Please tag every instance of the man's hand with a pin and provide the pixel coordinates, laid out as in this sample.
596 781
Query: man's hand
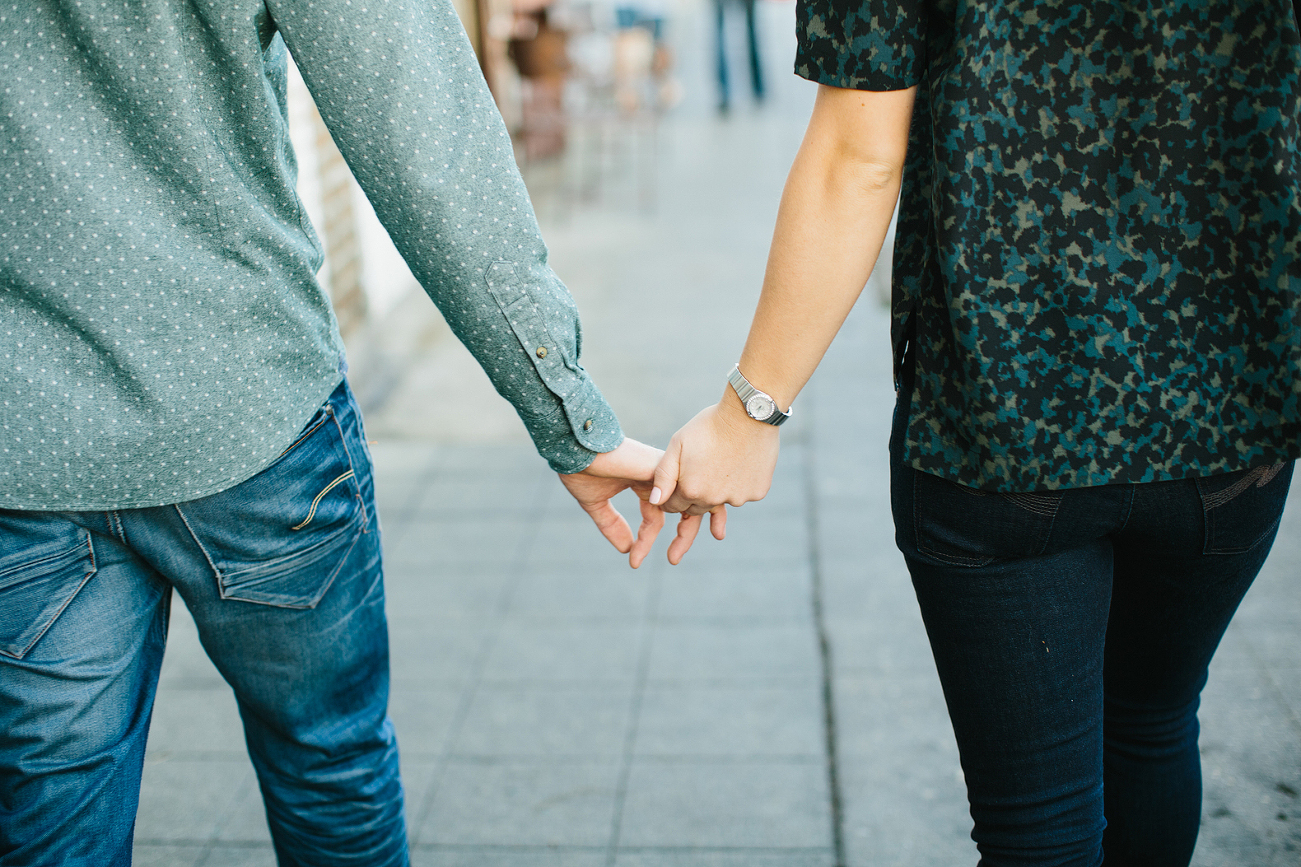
721 457
631 465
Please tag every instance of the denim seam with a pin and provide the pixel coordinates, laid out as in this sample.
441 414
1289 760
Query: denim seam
356 484
90 550
118 528
1129 509
329 413
216 573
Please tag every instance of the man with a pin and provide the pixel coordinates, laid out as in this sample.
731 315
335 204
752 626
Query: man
173 408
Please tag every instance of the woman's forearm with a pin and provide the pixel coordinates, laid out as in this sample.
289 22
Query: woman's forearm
834 214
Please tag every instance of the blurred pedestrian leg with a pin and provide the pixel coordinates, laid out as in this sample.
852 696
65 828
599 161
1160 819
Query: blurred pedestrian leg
752 41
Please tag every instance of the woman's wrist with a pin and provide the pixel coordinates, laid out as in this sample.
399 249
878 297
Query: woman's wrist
732 412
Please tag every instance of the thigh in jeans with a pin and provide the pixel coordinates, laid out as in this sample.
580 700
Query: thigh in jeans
1016 615
82 626
283 576
1186 557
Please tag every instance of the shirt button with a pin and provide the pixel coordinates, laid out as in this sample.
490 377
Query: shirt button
587 425
542 352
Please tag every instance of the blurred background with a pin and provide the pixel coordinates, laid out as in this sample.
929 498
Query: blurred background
771 702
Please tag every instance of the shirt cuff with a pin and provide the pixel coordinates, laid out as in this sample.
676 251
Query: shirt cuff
583 426
571 435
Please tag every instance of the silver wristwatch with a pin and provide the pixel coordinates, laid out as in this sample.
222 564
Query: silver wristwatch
758 405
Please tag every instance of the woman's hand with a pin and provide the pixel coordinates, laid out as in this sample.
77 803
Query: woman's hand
630 466
720 458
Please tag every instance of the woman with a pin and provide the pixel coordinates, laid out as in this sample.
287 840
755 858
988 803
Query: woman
1097 340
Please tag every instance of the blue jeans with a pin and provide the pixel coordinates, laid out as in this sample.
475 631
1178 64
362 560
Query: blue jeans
282 574
1072 631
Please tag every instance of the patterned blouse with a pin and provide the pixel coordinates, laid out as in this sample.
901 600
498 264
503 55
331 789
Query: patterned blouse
1096 274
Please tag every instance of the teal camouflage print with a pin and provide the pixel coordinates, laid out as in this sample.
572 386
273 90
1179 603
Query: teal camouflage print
1096 274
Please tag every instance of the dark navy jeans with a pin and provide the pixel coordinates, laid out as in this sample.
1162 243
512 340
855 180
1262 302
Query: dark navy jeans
282 574
1072 631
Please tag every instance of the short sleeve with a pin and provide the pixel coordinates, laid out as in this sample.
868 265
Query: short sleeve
861 44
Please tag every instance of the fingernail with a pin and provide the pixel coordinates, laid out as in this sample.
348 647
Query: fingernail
656 493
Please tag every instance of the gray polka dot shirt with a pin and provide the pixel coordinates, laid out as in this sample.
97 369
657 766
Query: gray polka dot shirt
162 333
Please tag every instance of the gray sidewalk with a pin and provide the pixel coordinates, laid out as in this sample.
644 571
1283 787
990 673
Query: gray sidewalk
556 708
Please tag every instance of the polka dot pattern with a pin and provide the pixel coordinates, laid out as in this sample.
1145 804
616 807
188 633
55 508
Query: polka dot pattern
162 333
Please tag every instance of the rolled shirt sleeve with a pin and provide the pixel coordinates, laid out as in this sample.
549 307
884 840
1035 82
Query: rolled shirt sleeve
870 45
400 90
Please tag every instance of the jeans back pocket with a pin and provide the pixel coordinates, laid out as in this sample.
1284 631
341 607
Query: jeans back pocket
44 561
281 537
961 526
1241 509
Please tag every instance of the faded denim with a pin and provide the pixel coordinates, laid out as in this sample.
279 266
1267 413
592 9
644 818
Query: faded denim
283 576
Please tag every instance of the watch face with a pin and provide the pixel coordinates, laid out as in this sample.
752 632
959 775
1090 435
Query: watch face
760 407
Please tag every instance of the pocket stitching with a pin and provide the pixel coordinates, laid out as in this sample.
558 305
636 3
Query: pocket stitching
315 600
1213 500
924 548
90 552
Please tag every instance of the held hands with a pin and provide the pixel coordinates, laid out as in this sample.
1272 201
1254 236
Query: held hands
720 458
630 466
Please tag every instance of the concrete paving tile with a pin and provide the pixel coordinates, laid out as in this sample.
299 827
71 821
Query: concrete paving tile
903 809
736 593
522 804
725 858
246 824
443 545
581 652
582 590
471 461
195 720
723 652
1250 743
557 723
1274 643
859 534
571 542
431 651
423 718
872 589
185 801
152 855
765 540
894 645
716 721
469 590
684 651
487 856
485 496
241 856
760 804
403 458
893 714
418 778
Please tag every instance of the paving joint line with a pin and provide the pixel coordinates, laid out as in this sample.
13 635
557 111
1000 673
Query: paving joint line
488 642
824 656
634 720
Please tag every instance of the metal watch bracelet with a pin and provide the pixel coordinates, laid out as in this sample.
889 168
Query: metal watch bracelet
759 405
